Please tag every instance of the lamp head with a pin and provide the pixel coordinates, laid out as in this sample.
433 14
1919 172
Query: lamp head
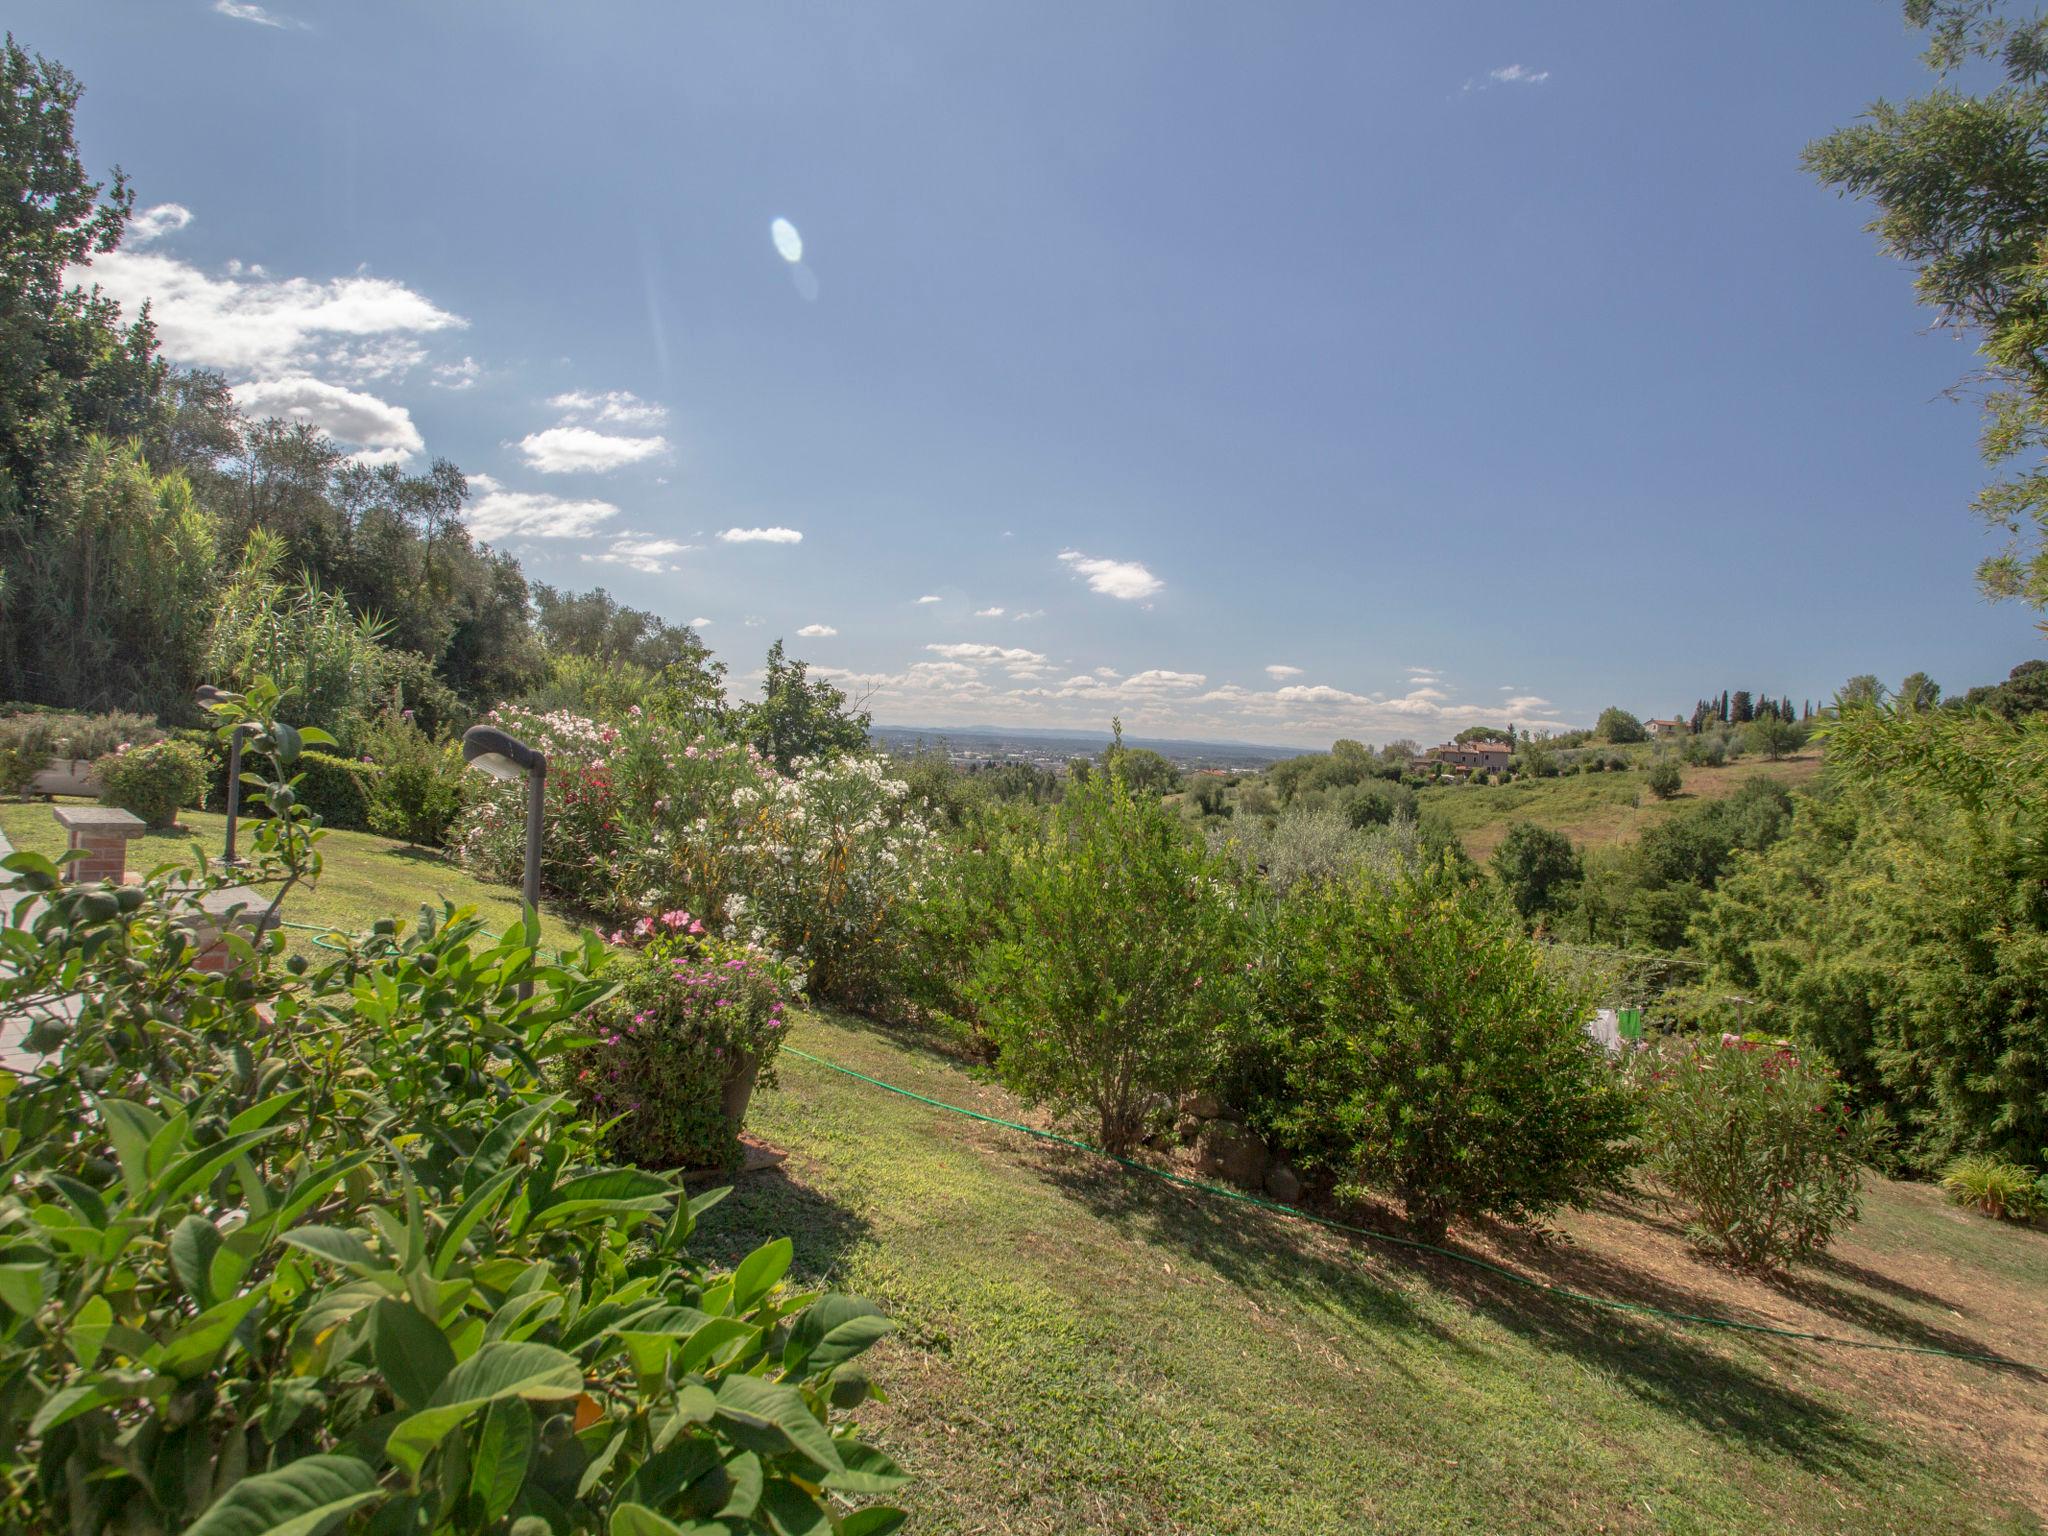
500 755
208 695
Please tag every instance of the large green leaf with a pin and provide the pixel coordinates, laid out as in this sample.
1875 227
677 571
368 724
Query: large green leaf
504 1448
337 1247
21 1288
833 1330
194 1242
413 1354
772 1417
303 1498
639 1520
759 1271
498 1370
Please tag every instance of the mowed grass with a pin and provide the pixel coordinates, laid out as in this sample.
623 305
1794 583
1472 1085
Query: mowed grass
1594 809
364 878
1087 1350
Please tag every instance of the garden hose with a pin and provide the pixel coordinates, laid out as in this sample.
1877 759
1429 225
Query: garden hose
1563 1293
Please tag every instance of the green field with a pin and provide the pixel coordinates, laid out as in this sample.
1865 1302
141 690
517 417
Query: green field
1595 809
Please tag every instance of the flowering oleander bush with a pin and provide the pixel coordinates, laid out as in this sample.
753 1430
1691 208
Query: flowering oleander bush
1757 1143
154 781
695 1023
644 817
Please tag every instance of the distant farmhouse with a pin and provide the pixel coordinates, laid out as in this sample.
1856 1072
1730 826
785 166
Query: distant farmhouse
1473 754
1672 727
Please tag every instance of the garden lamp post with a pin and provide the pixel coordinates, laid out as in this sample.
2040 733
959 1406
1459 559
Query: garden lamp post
207 696
507 757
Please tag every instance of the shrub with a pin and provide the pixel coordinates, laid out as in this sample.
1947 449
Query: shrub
1116 959
416 792
1407 1037
31 740
369 1271
1757 1143
154 781
1665 780
1537 866
1995 1187
694 1020
337 789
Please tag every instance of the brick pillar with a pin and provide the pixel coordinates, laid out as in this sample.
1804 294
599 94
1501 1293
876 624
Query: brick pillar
102 834
233 909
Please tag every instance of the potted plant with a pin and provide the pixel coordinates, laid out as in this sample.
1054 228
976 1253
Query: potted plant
693 1028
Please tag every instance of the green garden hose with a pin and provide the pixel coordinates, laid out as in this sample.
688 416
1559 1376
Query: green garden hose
1692 1318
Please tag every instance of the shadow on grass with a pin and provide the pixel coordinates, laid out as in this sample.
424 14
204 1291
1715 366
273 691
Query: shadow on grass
769 1204
929 1046
1670 1370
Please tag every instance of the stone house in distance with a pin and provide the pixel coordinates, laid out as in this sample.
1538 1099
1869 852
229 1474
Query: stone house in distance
1490 755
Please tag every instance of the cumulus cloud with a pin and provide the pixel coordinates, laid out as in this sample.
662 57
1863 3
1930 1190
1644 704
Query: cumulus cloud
155 223
760 536
501 514
640 552
1125 579
988 613
817 631
566 449
1029 613
377 431
1160 678
244 321
929 597
1281 670
1516 74
699 624
1317 693
1526 703
618 407
969 651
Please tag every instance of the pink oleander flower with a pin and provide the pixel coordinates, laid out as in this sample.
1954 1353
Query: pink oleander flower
644 928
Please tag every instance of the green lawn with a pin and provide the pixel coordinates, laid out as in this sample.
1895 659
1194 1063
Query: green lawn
365 878
1084 1350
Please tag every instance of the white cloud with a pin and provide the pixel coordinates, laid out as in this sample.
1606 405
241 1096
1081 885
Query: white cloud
501 514
969 651
1281 670
244 321
789 245
243 10
1029 613
1524 703
378 431
640 552
155 223
1107 672
1317 693
458 375
760 536
988 613
562 450
700 624
1516 74
617 407
817 631
1082 680
929 597
1159 678
1125 579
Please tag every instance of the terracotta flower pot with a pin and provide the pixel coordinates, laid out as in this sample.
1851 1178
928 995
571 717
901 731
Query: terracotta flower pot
738 1089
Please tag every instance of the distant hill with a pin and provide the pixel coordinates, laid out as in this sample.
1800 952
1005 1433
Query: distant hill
1027 744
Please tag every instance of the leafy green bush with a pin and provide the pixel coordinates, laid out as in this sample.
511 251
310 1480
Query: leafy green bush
1665 780
337 789
695 1024
1757 1143
155 781
416 793
1537 866
1407 1037
30 740
1995 1187
313 1249
1117 957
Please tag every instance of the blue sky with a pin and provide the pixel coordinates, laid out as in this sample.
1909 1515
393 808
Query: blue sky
1280 371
